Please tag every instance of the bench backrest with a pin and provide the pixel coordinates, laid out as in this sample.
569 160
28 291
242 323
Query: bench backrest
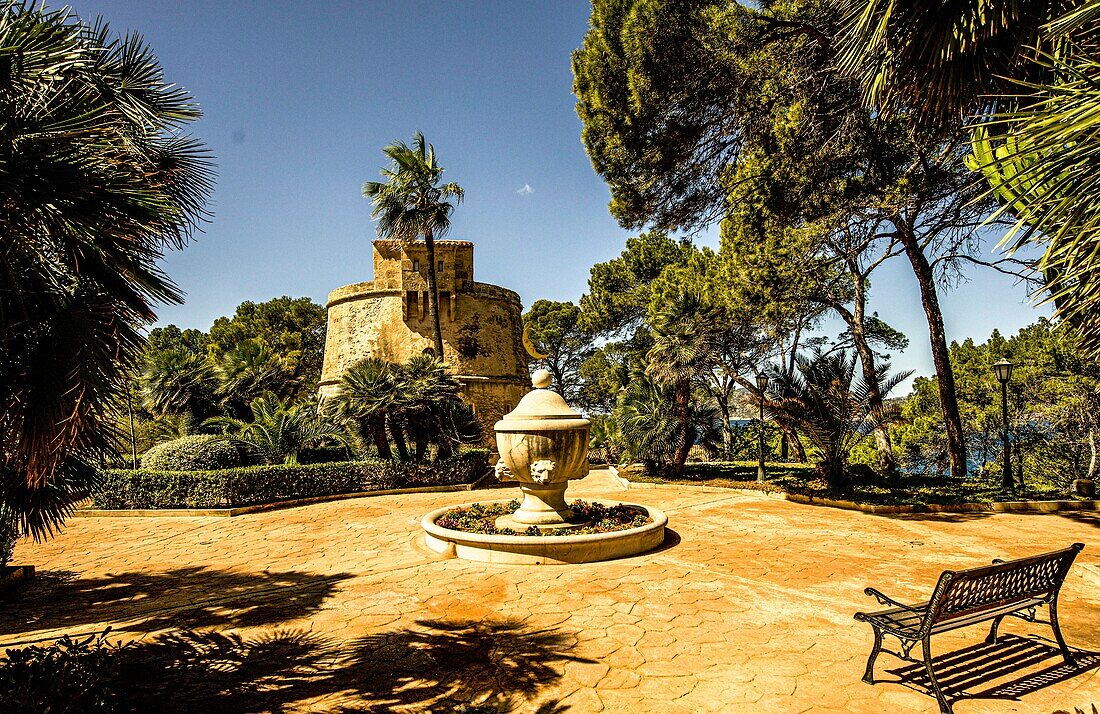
964 592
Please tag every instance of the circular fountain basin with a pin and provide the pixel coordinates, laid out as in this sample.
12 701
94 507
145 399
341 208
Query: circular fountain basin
544 550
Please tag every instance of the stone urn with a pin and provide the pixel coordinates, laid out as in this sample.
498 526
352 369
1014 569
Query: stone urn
543 444
1084 487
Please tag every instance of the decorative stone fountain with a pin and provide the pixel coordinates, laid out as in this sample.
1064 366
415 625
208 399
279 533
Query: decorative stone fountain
543 444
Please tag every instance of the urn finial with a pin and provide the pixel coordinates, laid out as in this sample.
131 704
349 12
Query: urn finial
541 379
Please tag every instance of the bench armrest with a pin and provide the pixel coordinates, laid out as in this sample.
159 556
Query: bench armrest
884 600
997 561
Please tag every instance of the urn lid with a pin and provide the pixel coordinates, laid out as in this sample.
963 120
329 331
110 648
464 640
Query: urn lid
541 409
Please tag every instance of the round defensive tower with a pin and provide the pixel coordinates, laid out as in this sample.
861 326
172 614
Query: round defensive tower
388 318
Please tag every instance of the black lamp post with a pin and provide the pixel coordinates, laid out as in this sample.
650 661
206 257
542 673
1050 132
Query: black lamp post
761 384
1003 370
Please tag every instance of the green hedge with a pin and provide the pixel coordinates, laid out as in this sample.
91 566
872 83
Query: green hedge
254 485
200 452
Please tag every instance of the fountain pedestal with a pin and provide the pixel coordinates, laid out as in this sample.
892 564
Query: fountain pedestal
543 445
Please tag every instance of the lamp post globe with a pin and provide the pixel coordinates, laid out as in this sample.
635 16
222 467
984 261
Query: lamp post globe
1003 369
762 385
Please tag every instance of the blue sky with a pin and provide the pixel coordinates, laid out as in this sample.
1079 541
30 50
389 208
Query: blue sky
299 98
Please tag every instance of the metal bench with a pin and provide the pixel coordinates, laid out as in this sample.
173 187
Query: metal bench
967 597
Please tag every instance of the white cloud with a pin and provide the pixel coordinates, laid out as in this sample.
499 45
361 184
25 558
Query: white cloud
526 190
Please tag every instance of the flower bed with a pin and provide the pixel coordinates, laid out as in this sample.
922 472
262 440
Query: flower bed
481 518
254 485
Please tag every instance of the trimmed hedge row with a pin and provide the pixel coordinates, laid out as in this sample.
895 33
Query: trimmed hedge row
253 485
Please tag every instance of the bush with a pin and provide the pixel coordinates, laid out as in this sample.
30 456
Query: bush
255 485
66 676
202 452
9 534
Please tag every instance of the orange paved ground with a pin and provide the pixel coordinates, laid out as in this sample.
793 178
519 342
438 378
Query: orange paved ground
748 607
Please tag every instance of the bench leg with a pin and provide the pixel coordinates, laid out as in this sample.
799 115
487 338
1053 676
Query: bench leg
945 707
991 638
869 674
1058 633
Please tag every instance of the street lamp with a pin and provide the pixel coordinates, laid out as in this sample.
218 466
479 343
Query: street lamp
761 384
1003 370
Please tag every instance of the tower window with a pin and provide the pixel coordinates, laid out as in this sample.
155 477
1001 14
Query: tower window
439 267
416 265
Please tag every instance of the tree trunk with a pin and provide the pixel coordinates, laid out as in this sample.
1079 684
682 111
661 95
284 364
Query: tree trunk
378 432
1092 454
727 428
433 295
956 446
398 438
681 410
791 437
886 462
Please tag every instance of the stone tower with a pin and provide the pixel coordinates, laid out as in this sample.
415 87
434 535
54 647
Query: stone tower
388 318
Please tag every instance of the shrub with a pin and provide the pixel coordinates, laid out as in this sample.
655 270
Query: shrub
9 534
255 485
66 676
202 452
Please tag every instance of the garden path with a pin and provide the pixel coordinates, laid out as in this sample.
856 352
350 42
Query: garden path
748 607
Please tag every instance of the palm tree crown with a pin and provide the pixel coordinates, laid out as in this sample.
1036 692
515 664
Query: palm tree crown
411 203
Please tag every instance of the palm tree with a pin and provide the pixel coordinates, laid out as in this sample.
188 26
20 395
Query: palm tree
685 344
247 371
1022 75
411 203
180 383
279 430
429 406
820 399
97 181
365 400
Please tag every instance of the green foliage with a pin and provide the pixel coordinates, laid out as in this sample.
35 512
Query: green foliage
619 291
180 383
411 203
1053 397
598 518
1024 78
201 452
266 484
69 675
825 403
9 534
556 329
98 180
288 333
278 430
416 403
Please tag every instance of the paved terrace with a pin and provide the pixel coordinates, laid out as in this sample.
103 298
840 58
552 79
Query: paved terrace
748 607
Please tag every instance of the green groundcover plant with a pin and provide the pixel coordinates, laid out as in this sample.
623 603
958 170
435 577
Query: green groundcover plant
598 518
254 485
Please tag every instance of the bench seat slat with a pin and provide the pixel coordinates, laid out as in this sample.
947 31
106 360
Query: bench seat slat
906 623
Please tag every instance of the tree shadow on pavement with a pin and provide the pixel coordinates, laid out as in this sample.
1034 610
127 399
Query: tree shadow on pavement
186 597
1091 519
1008 669
474 666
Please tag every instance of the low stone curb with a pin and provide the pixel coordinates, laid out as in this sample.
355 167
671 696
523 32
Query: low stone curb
992 507
261 507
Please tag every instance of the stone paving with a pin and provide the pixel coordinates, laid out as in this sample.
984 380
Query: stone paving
748 607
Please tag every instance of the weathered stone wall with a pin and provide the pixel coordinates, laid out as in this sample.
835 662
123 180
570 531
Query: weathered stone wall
388 318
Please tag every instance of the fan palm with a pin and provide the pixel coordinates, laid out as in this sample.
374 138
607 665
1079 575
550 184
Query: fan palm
180 383
412 203
822 399
97 180
1025 75
250 369
685 344
279 430
365 401
428 404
